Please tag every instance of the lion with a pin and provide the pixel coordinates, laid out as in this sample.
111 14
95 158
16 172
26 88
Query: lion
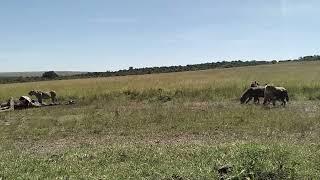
40 95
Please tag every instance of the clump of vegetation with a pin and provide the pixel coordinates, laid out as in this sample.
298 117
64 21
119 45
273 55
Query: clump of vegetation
50 75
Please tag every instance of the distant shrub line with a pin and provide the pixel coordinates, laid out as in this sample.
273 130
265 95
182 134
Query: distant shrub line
51 75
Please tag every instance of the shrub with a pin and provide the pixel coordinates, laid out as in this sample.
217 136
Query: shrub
50 75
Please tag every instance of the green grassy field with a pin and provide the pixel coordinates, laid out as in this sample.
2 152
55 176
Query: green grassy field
166 126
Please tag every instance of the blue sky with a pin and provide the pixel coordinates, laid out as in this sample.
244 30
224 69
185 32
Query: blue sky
100 35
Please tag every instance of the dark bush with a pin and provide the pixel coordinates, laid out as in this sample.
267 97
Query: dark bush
50 75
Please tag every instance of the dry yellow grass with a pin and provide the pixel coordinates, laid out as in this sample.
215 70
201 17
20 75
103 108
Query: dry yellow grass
297 77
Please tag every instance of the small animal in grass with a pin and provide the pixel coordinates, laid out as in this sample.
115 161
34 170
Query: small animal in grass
254 84
40 95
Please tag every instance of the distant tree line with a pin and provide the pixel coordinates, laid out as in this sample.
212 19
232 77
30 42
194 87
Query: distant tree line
51 75
169 69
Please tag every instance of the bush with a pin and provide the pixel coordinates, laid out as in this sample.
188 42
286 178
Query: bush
50 75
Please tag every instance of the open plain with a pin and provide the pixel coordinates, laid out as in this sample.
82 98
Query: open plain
182 125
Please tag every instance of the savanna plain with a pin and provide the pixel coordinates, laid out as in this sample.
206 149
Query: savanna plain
184 125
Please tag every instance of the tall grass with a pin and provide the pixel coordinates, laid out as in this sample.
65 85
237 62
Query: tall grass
301 79
166 126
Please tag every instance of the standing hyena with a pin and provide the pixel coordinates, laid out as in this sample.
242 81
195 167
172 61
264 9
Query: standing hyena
273 94
44 95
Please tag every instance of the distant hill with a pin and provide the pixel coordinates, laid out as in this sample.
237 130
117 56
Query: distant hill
39 73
